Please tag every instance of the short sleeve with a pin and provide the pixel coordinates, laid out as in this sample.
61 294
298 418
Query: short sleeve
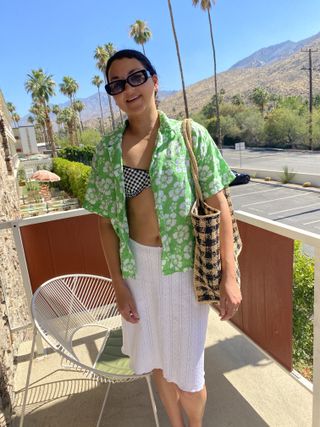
100 194
214 172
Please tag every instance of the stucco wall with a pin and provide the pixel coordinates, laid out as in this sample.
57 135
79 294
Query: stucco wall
13 305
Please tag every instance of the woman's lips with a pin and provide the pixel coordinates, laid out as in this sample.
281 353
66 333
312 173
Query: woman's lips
133 98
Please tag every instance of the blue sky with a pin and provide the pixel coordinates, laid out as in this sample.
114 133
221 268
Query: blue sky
60 36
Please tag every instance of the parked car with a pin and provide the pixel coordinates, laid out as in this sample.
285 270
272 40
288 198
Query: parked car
241 178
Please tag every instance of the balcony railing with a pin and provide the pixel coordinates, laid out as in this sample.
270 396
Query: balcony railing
68 242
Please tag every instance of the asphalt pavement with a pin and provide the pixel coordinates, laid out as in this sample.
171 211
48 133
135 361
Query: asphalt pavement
297 161
289 204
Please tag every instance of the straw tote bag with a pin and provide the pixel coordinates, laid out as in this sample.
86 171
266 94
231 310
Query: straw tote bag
206 224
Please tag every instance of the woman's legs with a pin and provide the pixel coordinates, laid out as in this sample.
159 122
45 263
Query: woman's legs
194 406
169 395
173 399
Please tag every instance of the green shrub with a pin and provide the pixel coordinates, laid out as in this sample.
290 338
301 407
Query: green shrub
303 284
73 177
74 153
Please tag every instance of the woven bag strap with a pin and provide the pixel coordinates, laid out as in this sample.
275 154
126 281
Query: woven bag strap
186 128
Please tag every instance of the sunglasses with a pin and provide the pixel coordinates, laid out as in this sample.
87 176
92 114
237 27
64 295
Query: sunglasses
134 79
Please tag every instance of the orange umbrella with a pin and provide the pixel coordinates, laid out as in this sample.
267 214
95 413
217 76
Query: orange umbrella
45 176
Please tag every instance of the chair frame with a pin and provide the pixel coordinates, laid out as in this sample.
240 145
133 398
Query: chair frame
75 301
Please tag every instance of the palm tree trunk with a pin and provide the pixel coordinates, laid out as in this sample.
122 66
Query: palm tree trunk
111 111
179 60
70 133
215 83
101 113
5 146
110 107
144 52
50 131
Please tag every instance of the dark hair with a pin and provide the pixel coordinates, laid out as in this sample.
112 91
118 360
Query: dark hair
130 53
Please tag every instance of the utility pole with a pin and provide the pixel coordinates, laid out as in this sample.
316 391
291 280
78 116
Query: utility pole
310 69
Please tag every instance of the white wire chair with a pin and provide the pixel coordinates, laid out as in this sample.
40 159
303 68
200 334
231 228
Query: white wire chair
65 304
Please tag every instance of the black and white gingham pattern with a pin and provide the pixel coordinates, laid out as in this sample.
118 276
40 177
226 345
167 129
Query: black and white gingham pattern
135 181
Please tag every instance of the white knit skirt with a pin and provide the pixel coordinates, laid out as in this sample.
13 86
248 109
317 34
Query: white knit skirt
171 332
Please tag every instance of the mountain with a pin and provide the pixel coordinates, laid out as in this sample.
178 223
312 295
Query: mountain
91 112
277 68
284 77
273 53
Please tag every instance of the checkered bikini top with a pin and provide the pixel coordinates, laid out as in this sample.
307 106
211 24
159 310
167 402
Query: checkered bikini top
135 181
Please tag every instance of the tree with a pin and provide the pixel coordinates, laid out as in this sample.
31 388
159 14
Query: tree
79 106
259 96
67 117
237 99
11 107
179 60
102 54
69 87
40 125
206 6
286 128
41 86
140 32
97 81
16 119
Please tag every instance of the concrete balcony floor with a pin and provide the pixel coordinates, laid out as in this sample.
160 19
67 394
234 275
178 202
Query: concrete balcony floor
245 389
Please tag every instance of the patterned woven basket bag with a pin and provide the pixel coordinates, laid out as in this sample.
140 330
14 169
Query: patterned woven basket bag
206 225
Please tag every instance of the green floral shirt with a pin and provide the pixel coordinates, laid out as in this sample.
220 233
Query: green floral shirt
171 183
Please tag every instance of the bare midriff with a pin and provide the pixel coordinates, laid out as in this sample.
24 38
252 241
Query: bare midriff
143 220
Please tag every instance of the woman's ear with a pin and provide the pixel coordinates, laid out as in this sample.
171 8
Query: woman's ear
155 82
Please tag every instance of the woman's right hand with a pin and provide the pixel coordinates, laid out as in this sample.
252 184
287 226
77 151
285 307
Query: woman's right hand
125 302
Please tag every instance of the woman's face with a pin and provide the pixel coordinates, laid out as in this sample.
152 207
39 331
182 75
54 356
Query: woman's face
133 100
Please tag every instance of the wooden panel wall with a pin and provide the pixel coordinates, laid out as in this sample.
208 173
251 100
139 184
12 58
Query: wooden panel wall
266 264
63 246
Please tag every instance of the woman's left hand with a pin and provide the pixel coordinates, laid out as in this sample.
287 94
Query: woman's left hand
230 298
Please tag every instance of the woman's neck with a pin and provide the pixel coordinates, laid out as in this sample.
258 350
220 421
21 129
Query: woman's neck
142 126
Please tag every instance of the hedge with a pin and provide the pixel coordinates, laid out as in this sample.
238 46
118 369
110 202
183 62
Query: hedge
73 177
78 154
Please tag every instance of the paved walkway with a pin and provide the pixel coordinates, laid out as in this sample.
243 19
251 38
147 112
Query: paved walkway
245 389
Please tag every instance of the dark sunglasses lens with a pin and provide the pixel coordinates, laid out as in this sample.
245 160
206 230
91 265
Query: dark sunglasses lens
138 78
114 88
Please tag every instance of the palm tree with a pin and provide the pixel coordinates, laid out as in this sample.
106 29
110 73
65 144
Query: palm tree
179 60
102 54
67 117
206 6
11 107
12 110
39 115
16 119
42 86
79 106
259 96
69 87
56 110
140 32
97 81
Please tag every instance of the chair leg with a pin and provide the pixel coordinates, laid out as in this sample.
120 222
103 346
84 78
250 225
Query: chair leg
104 404
26 390
153 403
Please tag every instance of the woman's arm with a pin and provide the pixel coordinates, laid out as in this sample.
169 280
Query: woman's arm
110 245
230 294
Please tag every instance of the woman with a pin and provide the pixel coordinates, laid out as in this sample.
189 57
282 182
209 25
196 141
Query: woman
142 188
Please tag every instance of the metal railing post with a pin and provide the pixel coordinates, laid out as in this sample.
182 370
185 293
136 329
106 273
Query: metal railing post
316 342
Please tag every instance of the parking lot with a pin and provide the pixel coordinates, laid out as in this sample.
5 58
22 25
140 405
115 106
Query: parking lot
295 206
